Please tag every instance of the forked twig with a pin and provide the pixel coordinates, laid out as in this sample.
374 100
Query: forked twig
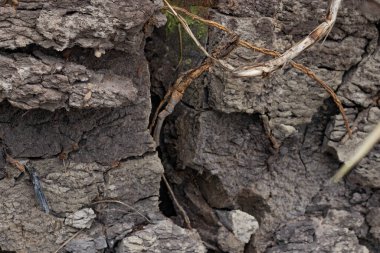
274 53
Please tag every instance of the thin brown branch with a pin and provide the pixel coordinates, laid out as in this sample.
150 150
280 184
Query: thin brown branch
177 204
175 93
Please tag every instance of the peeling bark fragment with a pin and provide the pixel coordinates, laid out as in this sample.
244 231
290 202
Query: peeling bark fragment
63 24
241 224
104 135
51 83
81 219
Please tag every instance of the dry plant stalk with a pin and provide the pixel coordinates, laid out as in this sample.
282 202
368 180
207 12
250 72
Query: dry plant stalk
274 53
174 95
179 207
316 35
362 151
186 27
68 240
15 163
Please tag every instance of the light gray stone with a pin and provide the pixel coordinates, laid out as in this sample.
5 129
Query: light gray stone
241 224
81 219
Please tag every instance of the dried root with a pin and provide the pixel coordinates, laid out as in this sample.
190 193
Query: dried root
276 54
175 94
316 35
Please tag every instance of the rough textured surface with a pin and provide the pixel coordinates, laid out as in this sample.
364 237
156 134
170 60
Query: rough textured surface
82 120
75 100
69 189
217 153
320 235
162 237
282 98
41 81
96 24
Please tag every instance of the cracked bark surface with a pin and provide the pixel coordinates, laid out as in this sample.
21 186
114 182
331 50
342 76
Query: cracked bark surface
60 101
218 157
82 121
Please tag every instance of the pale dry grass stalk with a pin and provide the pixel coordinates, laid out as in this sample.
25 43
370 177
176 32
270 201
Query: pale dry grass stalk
360 153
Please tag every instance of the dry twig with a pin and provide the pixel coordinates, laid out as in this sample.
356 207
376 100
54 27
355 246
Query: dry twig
317 34
177 204
274 53
176 92
68 240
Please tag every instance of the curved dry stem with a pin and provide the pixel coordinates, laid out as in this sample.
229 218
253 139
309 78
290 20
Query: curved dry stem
328 89
274 53
163 101
187 28
174 95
